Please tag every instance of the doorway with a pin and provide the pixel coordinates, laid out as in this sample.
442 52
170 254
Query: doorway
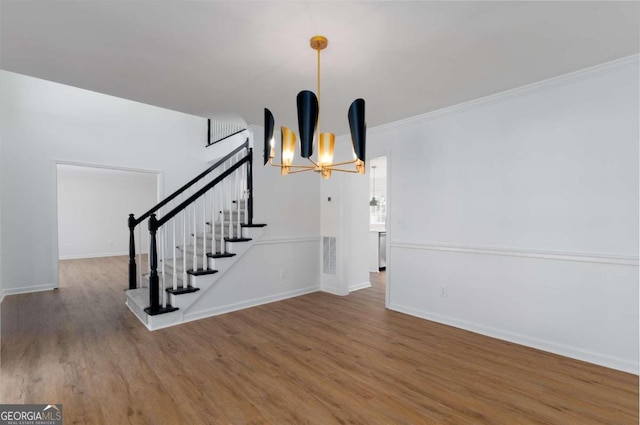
92 207
378 198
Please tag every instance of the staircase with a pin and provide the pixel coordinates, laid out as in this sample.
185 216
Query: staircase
197 234
198 281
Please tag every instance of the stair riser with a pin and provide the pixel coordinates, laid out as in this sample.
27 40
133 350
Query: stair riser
252 232
226 221
234 205
165 320
220 264
169 281
237 247
137 300
233 214
179 269
183 301
218 234
138 311
226 215
189 252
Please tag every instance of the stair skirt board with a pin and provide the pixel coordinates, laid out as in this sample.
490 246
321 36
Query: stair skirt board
179 317
181 299
216 311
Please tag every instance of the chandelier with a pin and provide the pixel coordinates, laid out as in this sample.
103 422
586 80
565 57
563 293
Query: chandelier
309 128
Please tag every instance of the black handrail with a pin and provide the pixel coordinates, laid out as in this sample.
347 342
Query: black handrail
171 197
168 216
155 224
133 222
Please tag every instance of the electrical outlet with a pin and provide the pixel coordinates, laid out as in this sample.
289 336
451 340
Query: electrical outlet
283 274
443 291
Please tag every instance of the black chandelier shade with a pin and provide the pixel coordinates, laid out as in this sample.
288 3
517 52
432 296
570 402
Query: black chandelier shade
269 123
358 128
307 121
308 105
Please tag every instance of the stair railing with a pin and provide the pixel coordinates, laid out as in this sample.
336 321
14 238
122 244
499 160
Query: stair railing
219 131
175 221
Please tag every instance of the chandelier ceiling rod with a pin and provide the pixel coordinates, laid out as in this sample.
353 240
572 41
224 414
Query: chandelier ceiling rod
317 44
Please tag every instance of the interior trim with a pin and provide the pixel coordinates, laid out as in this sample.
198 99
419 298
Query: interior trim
583 257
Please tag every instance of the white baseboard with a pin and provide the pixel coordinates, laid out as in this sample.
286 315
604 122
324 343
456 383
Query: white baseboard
100 255
189 317
333 290
563 350
358 286
27 289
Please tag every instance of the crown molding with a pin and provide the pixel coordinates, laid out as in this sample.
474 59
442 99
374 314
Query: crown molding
511 93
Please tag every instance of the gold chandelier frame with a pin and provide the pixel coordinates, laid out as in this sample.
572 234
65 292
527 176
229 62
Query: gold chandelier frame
309 129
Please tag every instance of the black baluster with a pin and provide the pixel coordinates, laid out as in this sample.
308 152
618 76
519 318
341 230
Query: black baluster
250 188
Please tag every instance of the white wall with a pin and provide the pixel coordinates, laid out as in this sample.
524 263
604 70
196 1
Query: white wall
272 270
288 205
1 287
45 122
346 217
93 206
290 243
524 205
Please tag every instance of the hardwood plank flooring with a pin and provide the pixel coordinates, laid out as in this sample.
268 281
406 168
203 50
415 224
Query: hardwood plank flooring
315 359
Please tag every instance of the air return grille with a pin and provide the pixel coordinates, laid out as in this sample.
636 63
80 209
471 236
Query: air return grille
329 255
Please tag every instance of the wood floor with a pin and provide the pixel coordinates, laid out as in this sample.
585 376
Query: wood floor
316 359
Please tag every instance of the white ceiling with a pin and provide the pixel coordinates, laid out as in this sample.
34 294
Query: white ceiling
209 58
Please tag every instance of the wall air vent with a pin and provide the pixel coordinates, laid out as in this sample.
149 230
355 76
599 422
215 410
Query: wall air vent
329 255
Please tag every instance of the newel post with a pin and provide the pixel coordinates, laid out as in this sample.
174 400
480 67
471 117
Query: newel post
154 282
132 253
250 187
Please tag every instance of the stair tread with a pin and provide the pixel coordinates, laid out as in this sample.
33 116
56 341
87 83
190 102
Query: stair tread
161 310
201 272
139 296
221 255
181 290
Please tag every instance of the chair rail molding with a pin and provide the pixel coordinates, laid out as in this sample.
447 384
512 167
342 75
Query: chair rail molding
584 257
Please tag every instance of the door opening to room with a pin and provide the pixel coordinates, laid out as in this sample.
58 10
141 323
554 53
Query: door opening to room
93 204
378 220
